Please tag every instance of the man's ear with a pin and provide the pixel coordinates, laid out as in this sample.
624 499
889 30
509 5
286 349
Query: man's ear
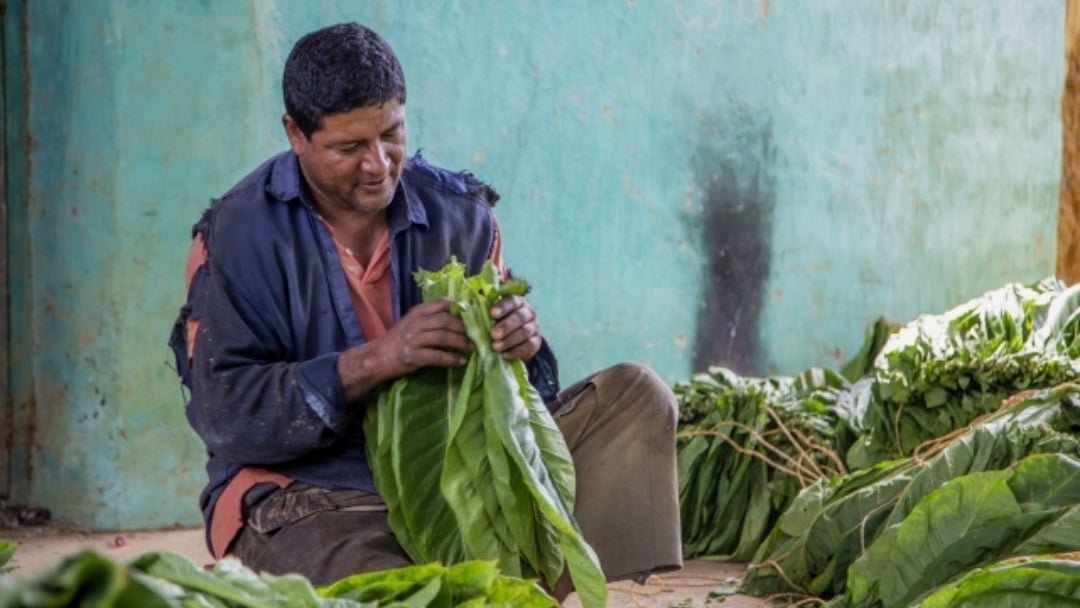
297 139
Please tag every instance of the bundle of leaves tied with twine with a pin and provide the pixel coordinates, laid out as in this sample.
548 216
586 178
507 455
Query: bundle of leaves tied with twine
746 447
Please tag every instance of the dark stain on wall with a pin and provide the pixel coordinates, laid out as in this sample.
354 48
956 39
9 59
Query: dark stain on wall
735 173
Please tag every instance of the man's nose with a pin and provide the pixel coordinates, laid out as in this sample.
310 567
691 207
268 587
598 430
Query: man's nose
374 159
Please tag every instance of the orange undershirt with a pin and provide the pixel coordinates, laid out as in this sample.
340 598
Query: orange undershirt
369 290
369 287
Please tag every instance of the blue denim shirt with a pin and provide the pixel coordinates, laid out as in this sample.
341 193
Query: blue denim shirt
274 311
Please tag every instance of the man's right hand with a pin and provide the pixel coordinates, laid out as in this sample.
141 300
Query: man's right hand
428 335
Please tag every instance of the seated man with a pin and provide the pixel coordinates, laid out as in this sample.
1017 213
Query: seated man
301 301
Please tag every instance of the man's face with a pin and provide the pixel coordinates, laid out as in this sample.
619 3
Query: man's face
354 161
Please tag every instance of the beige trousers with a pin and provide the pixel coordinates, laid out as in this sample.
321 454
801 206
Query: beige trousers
620 427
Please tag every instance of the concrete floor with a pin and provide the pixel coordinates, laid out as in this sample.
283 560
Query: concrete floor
40 546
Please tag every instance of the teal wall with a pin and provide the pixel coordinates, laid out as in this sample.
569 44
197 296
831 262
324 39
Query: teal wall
706 181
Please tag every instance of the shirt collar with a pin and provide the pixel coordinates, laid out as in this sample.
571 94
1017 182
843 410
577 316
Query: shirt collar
284 182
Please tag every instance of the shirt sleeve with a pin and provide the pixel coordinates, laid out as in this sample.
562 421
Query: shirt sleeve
253 400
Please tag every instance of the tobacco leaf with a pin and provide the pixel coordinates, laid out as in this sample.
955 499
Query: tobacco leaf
470 462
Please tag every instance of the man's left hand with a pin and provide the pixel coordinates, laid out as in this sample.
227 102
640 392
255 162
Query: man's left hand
516 334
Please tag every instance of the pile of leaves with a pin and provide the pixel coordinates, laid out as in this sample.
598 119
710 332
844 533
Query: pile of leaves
470 461
746 447
884 535
940 372
957 435
1025 510
168 580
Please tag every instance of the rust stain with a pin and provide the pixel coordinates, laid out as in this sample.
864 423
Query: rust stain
838 354
47 306
8 441
28 415
1068 228
23 412
763 10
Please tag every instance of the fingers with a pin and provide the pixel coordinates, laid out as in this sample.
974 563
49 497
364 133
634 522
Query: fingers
516 334
434 339
522 350
435 313
428 336
415 358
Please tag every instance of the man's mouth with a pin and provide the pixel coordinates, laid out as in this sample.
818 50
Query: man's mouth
372 185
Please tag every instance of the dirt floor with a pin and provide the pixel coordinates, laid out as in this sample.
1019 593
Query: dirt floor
699 584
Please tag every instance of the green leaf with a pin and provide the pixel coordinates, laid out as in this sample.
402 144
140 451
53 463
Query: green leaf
228 581
1046 480
7 550
84 578
958 526
384 586
471 583
1061 533
1043 582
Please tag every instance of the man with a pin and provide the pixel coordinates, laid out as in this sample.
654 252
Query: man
301 302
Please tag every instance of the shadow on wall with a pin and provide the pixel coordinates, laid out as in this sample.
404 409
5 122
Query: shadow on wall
734 171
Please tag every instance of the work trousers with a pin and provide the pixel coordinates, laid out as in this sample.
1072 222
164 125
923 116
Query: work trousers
619 425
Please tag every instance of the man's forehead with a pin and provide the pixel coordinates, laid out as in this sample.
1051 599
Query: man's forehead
373 119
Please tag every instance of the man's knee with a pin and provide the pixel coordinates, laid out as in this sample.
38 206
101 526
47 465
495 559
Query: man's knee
639 388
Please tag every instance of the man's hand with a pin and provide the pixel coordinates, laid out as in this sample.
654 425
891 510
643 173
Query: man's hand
516 334
426 336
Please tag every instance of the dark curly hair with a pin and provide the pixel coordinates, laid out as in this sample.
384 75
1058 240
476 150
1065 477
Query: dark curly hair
338 69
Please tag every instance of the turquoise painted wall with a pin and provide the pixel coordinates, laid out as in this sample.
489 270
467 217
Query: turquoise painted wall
705 181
